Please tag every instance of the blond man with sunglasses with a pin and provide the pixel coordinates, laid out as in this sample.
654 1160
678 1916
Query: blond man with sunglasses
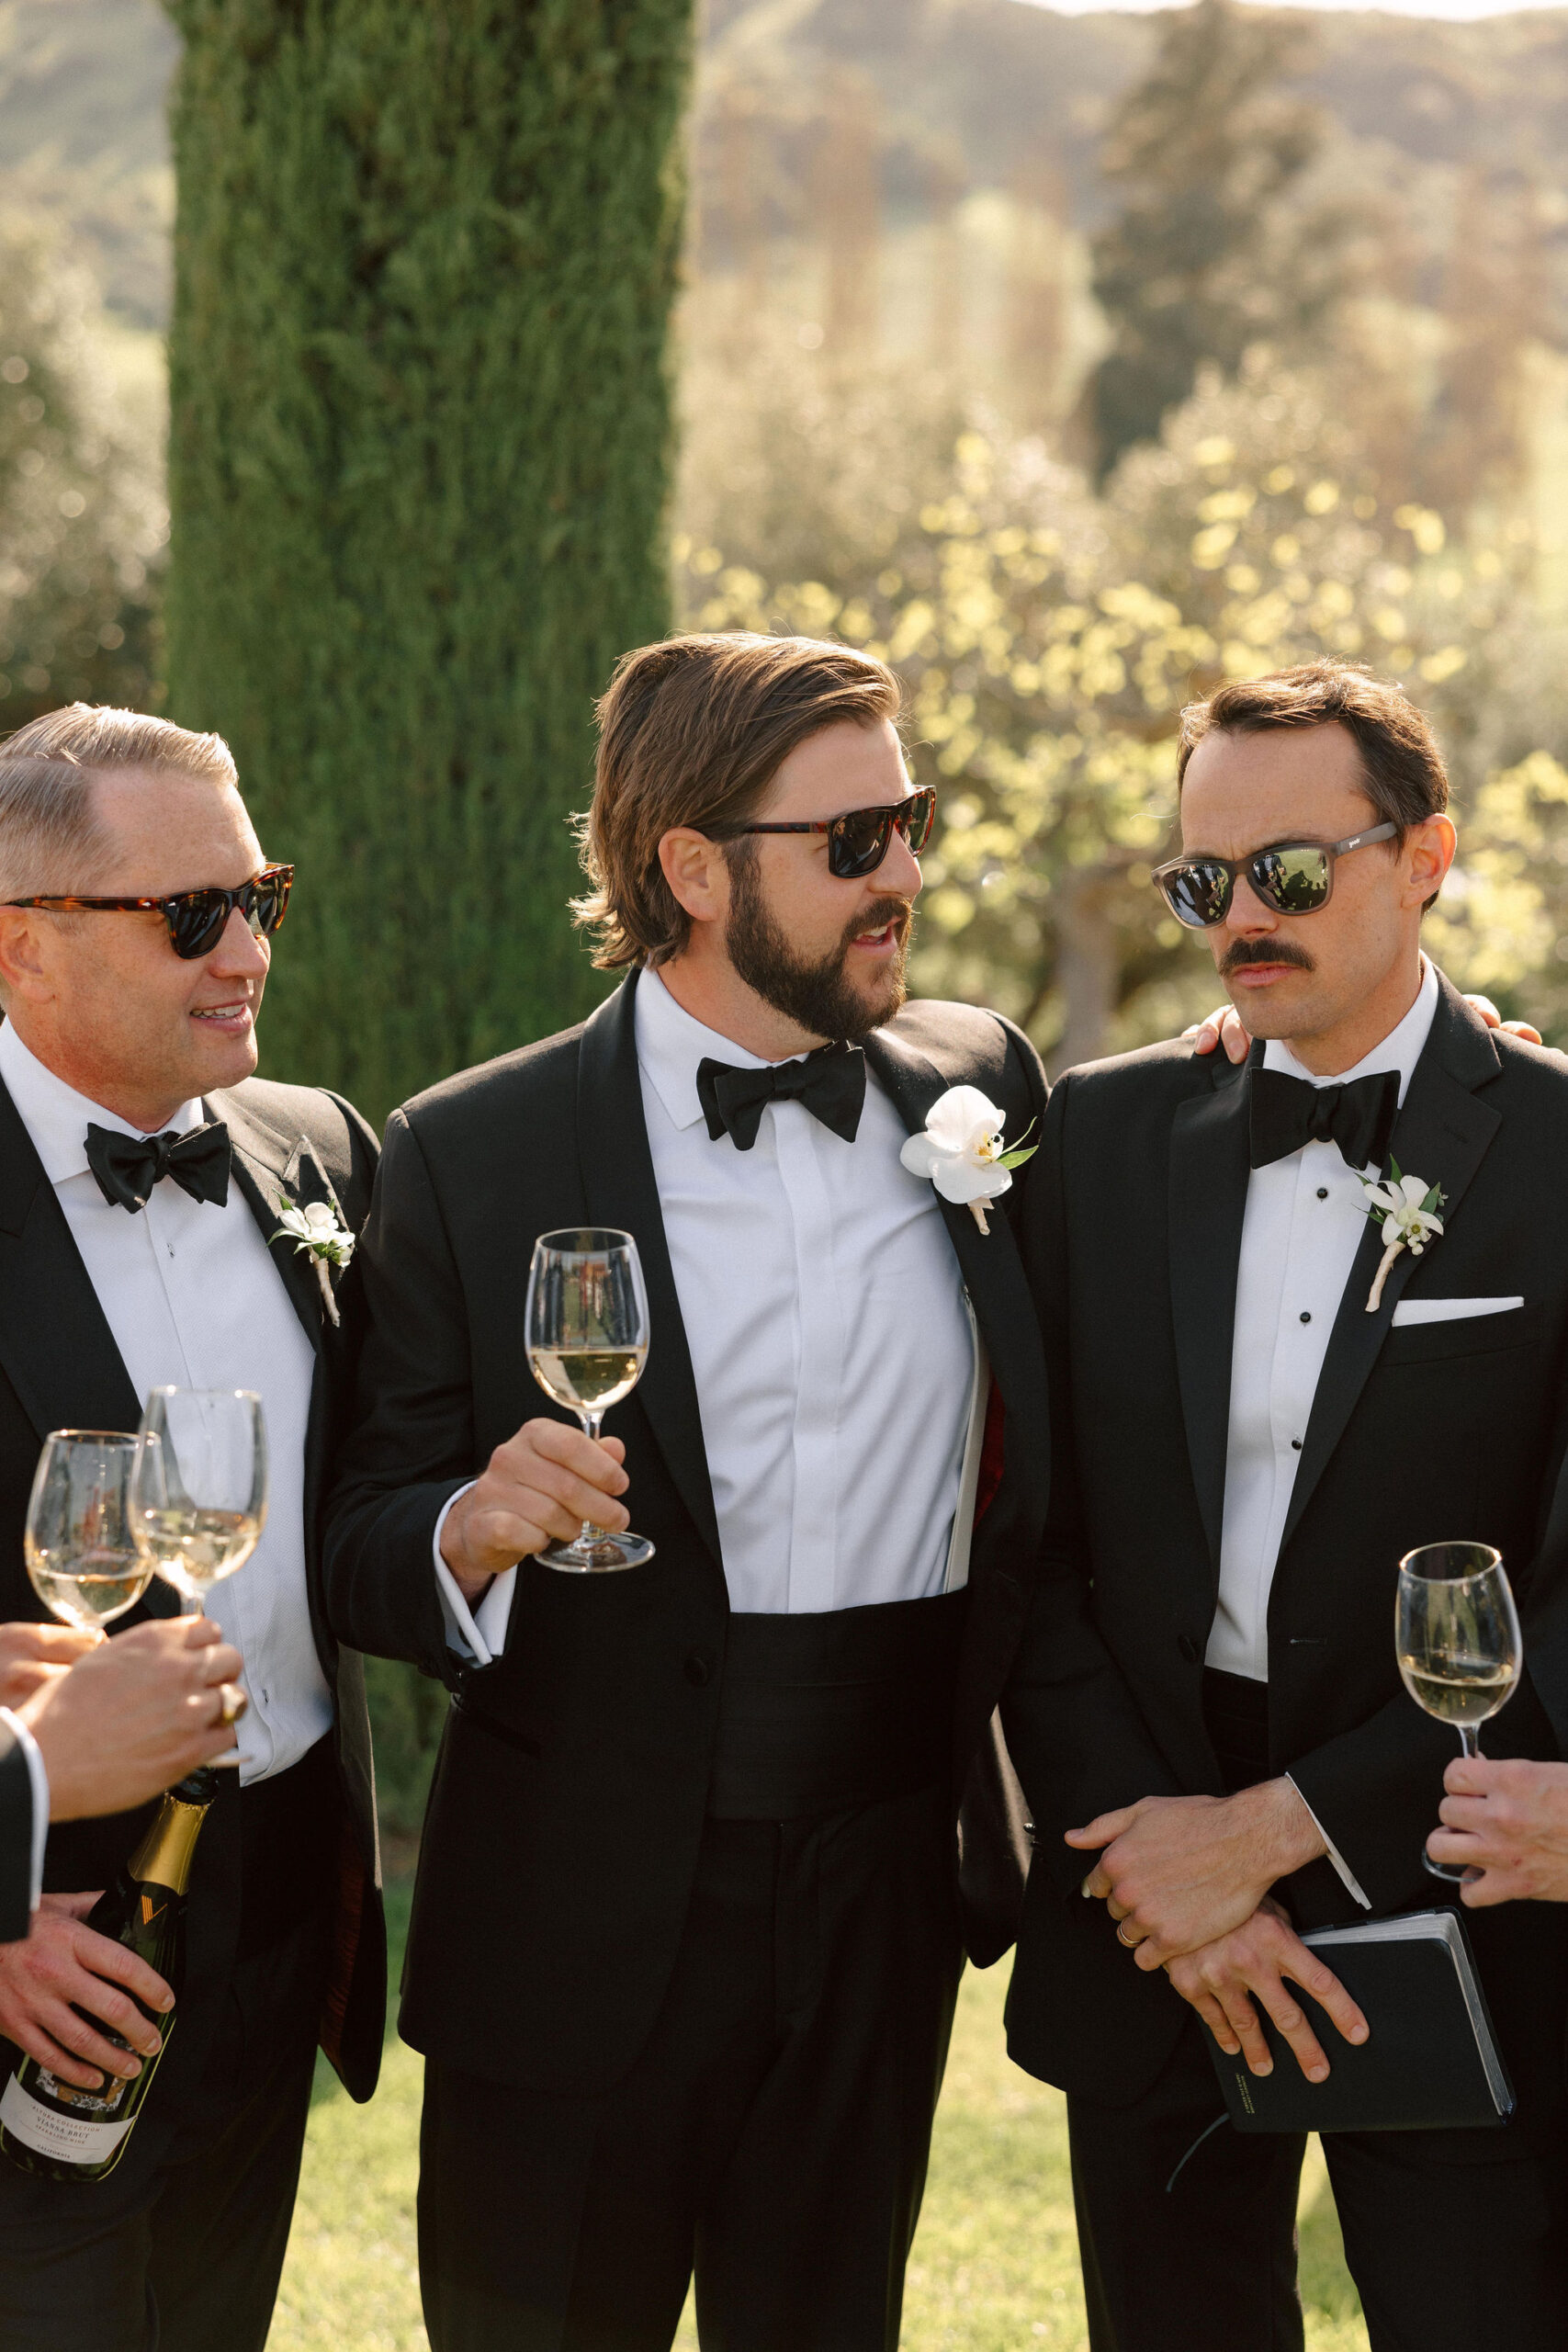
144 1172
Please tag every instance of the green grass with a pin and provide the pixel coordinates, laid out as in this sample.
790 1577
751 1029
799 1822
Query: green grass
995 2266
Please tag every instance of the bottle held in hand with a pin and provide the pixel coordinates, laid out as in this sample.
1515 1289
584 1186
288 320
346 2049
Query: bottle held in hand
54 2128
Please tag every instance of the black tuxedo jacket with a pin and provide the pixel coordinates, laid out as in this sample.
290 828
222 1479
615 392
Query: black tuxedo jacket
570 1791
16 1840
1438 1430
60 1369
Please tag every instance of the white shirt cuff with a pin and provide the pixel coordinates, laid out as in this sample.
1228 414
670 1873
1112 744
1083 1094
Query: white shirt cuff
479 1634
38 1779
1352 1884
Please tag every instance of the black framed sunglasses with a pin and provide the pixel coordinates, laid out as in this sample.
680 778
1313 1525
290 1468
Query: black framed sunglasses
1293 877
195 918
858 841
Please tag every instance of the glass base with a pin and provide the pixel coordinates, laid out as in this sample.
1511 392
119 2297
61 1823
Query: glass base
598 1554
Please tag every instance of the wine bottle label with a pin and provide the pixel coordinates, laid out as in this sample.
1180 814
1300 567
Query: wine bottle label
68 2138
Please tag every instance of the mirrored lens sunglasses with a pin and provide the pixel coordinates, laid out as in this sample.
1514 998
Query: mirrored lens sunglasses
858 841
195 918
1293 877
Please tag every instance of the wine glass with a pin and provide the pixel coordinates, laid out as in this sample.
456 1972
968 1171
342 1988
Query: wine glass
587 1326
198 1486
81 1553
1457 1639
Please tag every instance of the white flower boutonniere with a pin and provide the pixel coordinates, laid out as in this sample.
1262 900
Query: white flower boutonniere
318 1230
1406 1209
962 1153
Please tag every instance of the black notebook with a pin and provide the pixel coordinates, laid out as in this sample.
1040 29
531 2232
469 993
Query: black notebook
1430 2061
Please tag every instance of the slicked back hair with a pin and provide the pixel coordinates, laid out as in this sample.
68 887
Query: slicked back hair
693 731
51 840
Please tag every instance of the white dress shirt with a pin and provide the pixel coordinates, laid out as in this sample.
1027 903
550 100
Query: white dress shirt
193 1299
839 1373
1305 1220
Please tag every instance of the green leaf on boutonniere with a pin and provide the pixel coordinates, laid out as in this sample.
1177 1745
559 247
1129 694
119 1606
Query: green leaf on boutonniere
1021 1150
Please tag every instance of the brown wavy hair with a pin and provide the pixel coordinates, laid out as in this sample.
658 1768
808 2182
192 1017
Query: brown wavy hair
693 731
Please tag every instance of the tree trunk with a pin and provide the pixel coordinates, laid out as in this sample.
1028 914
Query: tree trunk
1086 966
420 453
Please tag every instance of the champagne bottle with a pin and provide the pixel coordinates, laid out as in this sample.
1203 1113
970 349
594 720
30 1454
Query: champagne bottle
53 2128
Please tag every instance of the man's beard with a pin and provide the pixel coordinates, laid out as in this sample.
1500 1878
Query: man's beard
820 996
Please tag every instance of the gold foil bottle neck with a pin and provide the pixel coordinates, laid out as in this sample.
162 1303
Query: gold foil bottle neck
163 1857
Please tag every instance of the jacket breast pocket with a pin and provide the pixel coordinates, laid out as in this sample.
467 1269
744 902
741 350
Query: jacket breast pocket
1464 1335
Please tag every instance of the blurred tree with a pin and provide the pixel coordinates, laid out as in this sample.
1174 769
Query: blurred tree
1048 640
83 522
424 259
1201 262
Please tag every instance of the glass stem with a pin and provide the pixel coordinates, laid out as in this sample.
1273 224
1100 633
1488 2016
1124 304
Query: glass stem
191 1605
1469 1740
592 1419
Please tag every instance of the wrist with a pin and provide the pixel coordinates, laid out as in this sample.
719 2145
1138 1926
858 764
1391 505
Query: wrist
1279 1821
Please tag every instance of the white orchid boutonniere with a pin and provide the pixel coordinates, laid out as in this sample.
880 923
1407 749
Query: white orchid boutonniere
317 1229
1407 1208
962 1153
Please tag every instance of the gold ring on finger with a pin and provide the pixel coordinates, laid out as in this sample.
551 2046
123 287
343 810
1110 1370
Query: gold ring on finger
232 1704
1131 1941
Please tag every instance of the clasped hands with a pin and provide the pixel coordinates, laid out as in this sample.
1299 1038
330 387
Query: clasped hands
1187 1879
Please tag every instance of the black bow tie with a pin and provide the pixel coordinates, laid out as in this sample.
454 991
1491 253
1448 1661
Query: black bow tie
830 1083
127 1167
1358 1117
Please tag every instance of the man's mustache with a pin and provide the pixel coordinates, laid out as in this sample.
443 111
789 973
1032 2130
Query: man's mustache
1265 951
876 917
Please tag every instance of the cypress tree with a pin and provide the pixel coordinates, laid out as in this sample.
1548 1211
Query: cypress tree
1200 262
420 444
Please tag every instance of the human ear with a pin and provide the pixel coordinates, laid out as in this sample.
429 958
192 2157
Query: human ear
697 872
23 971
1429 851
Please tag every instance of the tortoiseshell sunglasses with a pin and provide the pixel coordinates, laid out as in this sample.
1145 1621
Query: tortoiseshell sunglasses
195 918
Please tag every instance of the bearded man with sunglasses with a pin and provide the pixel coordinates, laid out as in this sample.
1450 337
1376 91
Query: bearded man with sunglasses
143 1175
688 1918
1249 1431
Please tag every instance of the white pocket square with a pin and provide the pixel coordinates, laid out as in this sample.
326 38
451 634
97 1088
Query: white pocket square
1449 1310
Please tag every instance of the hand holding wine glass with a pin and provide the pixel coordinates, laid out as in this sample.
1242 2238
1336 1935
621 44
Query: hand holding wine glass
1457 1639
78 1542
587 1340
198 1486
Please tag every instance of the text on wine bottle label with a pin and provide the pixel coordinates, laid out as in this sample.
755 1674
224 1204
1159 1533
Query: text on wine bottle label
52 2134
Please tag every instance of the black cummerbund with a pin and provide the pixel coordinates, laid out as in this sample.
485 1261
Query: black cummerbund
288 1834
1235 1713
820 1713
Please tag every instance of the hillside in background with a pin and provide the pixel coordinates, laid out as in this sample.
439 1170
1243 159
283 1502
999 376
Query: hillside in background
911 107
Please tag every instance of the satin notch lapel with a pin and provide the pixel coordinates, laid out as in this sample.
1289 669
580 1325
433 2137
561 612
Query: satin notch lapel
992 1268
1210 1166
55 1343
1441 1135
619 1187
274 1172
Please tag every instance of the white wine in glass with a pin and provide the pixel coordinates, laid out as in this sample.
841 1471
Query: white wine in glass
586 1326
81 1556
198 1486
1457 1640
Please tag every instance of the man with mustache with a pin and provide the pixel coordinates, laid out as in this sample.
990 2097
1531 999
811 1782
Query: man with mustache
1250 1428
687 1934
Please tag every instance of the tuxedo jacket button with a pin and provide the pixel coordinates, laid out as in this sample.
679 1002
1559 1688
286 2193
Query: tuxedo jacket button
699 1669
1190 1647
